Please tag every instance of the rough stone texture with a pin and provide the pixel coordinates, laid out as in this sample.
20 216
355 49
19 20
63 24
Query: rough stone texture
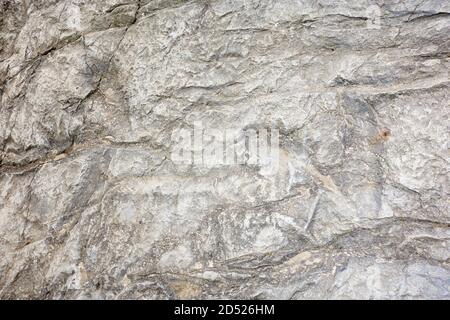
92 206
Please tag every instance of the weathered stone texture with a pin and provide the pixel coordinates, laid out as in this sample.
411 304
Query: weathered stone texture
93 206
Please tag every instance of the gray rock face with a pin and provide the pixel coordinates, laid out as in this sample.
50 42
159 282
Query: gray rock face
95 95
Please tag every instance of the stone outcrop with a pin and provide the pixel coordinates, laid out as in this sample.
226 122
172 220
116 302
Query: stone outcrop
94 93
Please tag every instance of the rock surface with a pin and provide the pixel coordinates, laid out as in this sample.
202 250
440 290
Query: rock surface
93 206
